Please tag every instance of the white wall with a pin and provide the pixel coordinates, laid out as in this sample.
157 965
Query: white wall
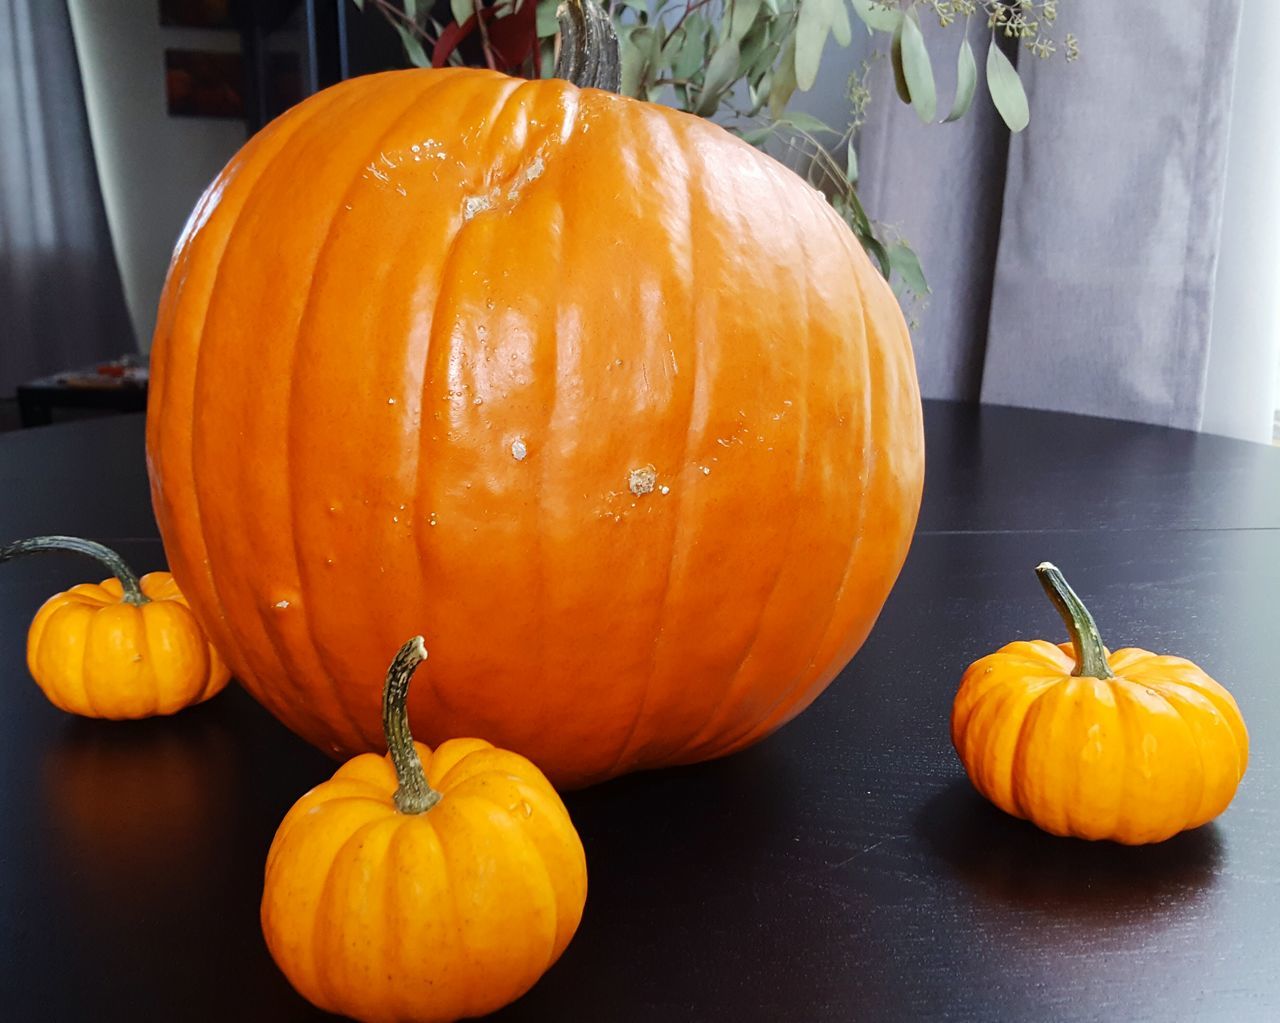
1241 386
153 167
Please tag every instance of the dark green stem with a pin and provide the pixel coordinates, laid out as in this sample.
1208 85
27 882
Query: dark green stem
589 55
128 581
414 794
1091 654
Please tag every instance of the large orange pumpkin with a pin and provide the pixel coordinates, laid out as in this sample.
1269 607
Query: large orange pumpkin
607 403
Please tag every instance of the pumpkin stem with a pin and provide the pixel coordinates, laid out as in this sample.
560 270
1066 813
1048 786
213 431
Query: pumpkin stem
128 581
1091 654
414 795
588 47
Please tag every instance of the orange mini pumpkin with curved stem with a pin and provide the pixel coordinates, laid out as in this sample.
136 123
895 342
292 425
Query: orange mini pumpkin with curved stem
614 399
123 648
420 886
1129 746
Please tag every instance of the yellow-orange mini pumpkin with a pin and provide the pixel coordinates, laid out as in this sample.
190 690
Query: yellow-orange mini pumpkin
122 648
419 886
615 400
1130 746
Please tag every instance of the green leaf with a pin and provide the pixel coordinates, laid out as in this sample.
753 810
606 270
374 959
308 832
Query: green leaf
771 6
757 135
784 80
851 163
1006 89
686 51
742 18
806 122
751 61
876 16
904 262
899 74
462 10
634 60
548 26
877 252
917 71
966 82
412 47
758 92
840 27
359 4
411 9
721 72
812 28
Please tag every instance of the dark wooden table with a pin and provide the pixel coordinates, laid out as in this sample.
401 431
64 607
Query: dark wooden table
841 870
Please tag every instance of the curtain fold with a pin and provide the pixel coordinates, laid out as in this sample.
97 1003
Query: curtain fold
1073 266
61 301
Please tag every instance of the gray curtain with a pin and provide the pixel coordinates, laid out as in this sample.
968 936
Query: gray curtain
1073 265
61 302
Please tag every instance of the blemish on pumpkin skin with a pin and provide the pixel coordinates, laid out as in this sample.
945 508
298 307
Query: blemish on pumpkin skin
281 604
642 480
518 449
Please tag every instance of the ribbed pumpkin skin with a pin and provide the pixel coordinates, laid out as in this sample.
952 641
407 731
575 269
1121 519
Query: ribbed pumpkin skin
412 278
95 654
423 918
1157 749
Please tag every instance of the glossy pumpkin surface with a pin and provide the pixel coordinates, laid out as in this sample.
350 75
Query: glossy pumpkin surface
612 399
1135 748
449 908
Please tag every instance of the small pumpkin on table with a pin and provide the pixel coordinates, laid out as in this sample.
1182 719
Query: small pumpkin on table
423 886
121 649
1129 746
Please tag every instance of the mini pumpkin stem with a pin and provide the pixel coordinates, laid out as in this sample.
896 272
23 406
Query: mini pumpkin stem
589 56
414 794
128 581
1091 654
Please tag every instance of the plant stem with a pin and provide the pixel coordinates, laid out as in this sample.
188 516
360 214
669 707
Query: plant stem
1091 654
589 56
414 794
37 544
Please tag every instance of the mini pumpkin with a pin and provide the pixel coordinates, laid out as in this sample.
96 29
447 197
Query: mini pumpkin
1129 746
122 648
423 886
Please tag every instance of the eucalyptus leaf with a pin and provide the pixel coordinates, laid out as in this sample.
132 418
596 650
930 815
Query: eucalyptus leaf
721 72
413 47
462 10
758 92
750 50
806 122
851 162
918 71
686 51
359 4
411 9
906 264
840 27
1006 89
966 82
771 6
812 28
634 63
876 16
784 79
899 74
757 135
876 251
741 19
548 25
